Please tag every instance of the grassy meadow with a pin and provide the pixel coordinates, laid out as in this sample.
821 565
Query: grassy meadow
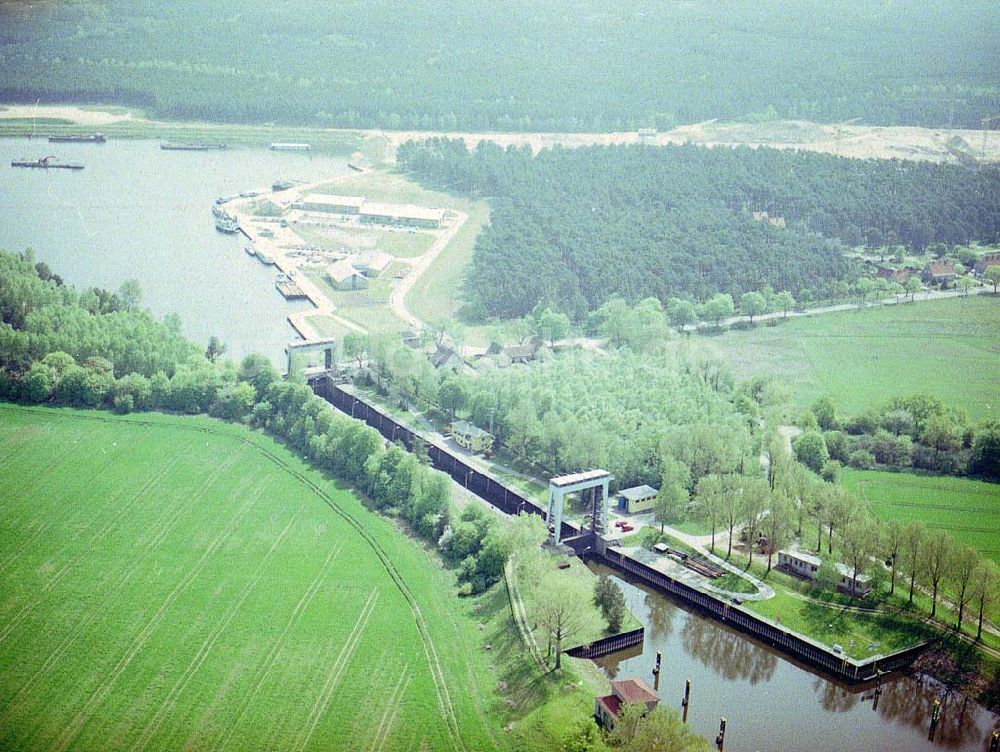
170 582
949 348
967 509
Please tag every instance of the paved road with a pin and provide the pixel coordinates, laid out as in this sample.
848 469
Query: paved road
917 298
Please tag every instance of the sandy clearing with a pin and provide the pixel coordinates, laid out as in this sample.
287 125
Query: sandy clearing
63 112
845 139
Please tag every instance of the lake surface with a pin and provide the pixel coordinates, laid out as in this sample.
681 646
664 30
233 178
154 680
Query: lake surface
771 703
137 211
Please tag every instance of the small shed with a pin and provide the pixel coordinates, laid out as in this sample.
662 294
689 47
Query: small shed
637 499
799 563
471 437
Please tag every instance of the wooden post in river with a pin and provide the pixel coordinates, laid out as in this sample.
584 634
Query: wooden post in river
687 699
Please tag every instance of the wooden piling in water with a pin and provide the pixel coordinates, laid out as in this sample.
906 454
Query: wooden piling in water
687 699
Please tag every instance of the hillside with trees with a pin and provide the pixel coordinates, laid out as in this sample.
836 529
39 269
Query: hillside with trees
572 227
526 65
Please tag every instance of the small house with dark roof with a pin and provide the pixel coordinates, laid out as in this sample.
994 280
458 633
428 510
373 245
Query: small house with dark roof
637 499
939 272
624 692
446 358
409 338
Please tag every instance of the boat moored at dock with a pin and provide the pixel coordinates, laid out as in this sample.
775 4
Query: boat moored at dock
82 138
227 224
192 146
289 146
46 163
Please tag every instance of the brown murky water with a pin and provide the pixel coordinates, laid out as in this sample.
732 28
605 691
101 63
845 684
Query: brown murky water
772 703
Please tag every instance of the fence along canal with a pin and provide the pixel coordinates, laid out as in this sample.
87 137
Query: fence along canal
510 501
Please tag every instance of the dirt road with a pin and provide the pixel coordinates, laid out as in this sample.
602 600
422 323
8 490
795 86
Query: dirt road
397 298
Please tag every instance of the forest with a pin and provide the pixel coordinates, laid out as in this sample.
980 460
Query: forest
572 227
527 65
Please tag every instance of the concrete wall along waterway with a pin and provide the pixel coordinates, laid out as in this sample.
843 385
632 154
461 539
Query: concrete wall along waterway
757 674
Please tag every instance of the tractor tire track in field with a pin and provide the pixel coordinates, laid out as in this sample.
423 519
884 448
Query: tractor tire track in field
437 673
264 669
36 479
19 551
122 514
391 713
154 723
336 671
160 534
73 729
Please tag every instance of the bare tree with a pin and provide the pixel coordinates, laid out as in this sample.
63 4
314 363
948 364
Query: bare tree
938 552
964 562
858 542
708 502
754 493
794 481
816 507
914 537
777 524
892 542
730 506
563 612
984 589
842 508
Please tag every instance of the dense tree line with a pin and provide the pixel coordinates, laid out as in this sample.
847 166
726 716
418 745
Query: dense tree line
571 227
579 409
526 65
59 347
918 431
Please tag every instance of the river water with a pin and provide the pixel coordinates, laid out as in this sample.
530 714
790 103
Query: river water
137 211
771 703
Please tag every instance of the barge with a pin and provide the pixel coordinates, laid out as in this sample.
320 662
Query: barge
227 224
191 146
288 146
86 138
288 289
47 163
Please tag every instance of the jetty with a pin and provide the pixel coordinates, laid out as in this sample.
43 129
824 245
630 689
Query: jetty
46 163
289 146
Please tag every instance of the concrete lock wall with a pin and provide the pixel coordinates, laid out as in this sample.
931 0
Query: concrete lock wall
584 544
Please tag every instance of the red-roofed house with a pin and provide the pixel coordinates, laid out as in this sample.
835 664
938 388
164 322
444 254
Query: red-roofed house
607 709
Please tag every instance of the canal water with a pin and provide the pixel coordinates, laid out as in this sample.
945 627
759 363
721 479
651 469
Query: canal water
137 211
771 703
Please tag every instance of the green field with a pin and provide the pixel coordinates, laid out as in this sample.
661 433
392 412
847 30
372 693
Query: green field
968 509
949 348
172 582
